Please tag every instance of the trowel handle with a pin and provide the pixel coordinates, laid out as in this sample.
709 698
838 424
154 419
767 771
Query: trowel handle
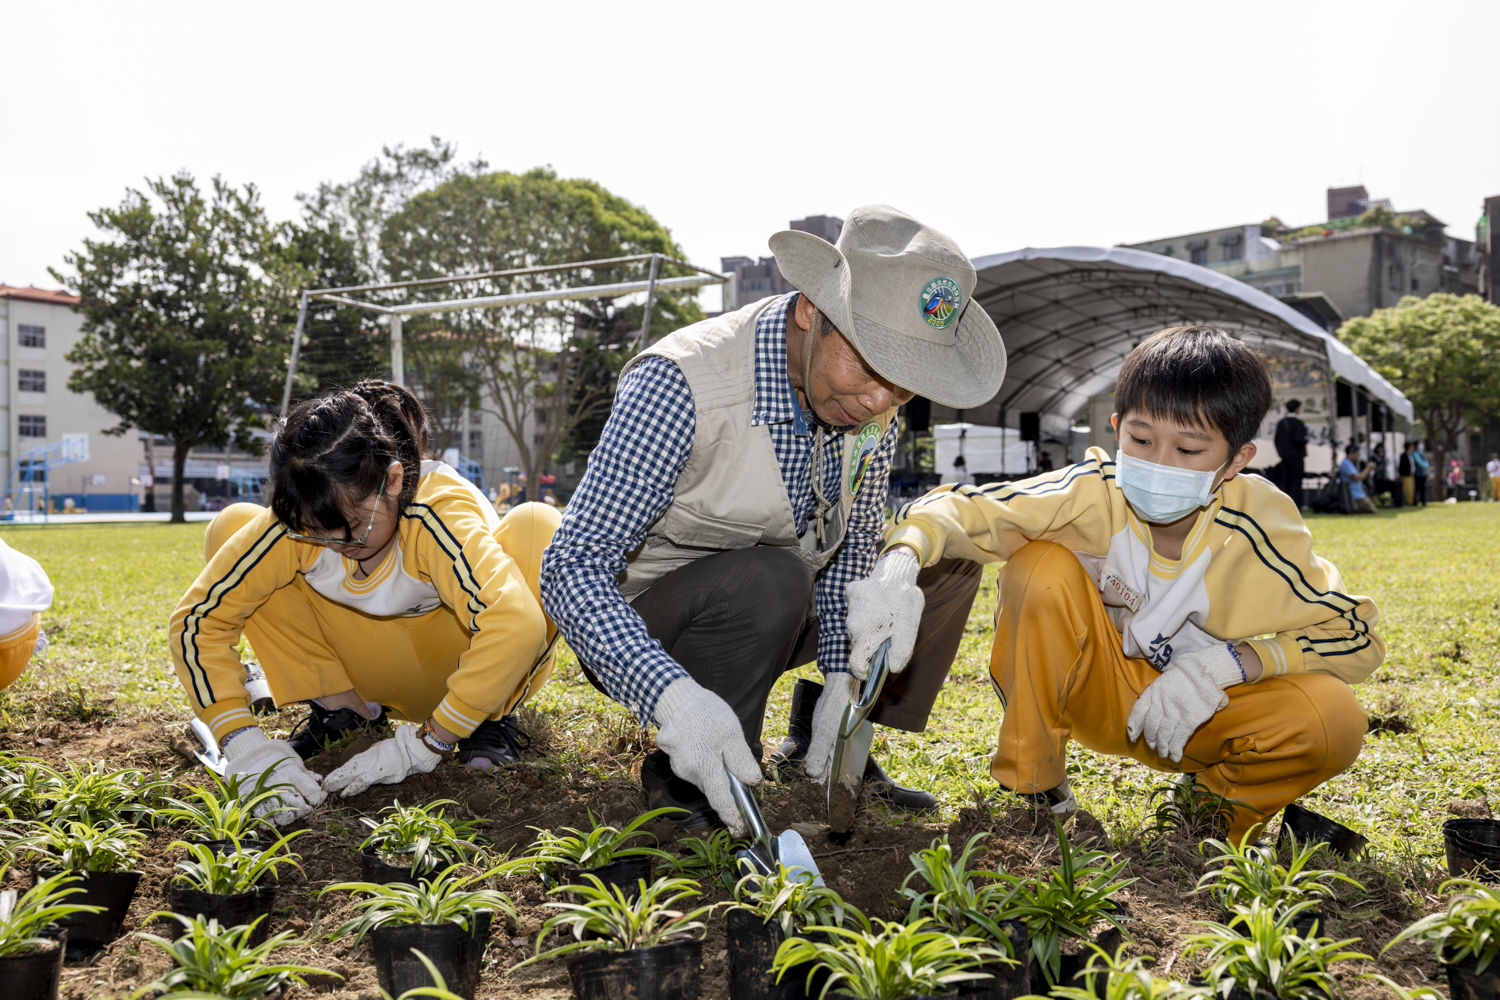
750 812
880 669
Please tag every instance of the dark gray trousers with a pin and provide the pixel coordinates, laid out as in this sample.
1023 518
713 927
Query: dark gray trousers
738 620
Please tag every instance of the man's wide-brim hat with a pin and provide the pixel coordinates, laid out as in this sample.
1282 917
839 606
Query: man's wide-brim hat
902 294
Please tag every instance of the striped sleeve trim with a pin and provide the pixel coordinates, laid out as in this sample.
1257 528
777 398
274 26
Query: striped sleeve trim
230 715
450 546
192 625
16 635
1003 492
1342 605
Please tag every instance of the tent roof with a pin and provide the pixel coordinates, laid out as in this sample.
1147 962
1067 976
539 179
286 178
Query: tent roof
1069 315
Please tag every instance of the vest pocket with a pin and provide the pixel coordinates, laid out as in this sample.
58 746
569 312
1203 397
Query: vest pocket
689 528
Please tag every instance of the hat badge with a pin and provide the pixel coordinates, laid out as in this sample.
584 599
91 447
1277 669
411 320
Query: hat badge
940 302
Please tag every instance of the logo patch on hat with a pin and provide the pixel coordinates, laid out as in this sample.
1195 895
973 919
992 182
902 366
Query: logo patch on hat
865 443
940 302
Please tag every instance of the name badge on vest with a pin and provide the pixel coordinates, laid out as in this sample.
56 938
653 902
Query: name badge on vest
865 443
1112 585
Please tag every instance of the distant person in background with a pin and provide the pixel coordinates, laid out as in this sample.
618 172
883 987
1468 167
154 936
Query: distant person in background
1291 448
1404 472
25 592
1355 475
1492 468
1421 468
1044 464
1455 479
961 472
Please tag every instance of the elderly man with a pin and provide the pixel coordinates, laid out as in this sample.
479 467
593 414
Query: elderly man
739 486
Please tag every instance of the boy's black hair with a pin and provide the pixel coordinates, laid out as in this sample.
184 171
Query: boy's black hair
1197 376
333 450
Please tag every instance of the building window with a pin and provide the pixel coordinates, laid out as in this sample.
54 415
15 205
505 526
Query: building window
1232 251
1414 284
31 427
31 380
31 336
1199 255
476 438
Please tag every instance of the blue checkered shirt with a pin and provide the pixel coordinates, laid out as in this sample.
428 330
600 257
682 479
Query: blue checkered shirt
629 485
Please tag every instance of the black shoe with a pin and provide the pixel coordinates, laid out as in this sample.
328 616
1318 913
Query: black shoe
324 726
787 758
894 796
495 743
665 789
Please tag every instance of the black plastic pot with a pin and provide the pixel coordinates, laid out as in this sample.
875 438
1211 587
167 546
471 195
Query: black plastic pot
1070 969
752 946
841 995
34 976
1465 984
1473 848
662 972
373 869
456 951
1310 827
230 909
1006 981
625 872
88 932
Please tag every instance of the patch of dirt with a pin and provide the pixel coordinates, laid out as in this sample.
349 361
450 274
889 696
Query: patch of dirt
867 868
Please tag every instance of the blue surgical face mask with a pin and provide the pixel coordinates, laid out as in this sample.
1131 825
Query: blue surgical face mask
1162 494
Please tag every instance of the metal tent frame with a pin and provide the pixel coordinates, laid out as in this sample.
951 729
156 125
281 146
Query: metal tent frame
344 296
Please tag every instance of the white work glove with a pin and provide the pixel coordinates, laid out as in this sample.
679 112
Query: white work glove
838 692
387 762
1186 695
250 753
702 736
887 604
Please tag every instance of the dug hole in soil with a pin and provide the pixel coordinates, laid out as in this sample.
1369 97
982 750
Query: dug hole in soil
867 869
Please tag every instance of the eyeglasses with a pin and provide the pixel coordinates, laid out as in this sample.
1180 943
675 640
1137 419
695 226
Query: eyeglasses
346 543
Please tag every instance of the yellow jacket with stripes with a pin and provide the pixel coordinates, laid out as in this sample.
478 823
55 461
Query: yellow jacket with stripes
446 560
1247 571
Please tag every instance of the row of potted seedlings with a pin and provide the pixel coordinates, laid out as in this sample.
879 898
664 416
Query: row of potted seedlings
967 932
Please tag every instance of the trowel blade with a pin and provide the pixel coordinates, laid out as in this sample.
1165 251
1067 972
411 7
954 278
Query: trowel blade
795 855
209 756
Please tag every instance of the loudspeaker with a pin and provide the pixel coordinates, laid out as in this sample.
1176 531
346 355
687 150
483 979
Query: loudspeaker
1031 426
1343 400
919 414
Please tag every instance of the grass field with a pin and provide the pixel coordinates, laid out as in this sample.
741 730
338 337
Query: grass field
1432 573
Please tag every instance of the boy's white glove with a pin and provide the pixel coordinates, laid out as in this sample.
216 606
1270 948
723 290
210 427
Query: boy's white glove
1186 695
250 753
702 736
387 762
838 692
887 604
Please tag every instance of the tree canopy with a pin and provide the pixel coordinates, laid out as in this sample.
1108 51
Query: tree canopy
540 365
1443 352
188 304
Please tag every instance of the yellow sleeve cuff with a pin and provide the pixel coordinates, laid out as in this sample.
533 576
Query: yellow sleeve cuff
224 717
911 535
1279 656
459 718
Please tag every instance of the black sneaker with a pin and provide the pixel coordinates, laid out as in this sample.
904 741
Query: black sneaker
495 743
324 726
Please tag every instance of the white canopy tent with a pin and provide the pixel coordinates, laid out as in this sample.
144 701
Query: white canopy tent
1069 315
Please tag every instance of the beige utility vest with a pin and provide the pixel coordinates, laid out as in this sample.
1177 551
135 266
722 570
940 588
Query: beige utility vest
730 494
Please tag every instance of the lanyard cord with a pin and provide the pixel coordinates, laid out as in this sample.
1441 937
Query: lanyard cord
821 504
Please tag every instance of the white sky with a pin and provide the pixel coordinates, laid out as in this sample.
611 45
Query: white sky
1005 124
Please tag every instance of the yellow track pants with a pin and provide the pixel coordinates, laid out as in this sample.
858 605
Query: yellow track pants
311 647
1063 674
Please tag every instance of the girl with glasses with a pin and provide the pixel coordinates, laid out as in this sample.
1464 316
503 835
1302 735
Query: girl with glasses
378 585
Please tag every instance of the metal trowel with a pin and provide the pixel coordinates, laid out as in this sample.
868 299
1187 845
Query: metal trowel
765 852
209 756
851 748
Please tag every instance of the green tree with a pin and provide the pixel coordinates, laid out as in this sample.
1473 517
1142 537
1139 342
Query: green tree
1443 352
343 221
542 366
188 308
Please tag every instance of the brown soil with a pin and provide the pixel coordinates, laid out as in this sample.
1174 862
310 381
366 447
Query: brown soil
867 868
